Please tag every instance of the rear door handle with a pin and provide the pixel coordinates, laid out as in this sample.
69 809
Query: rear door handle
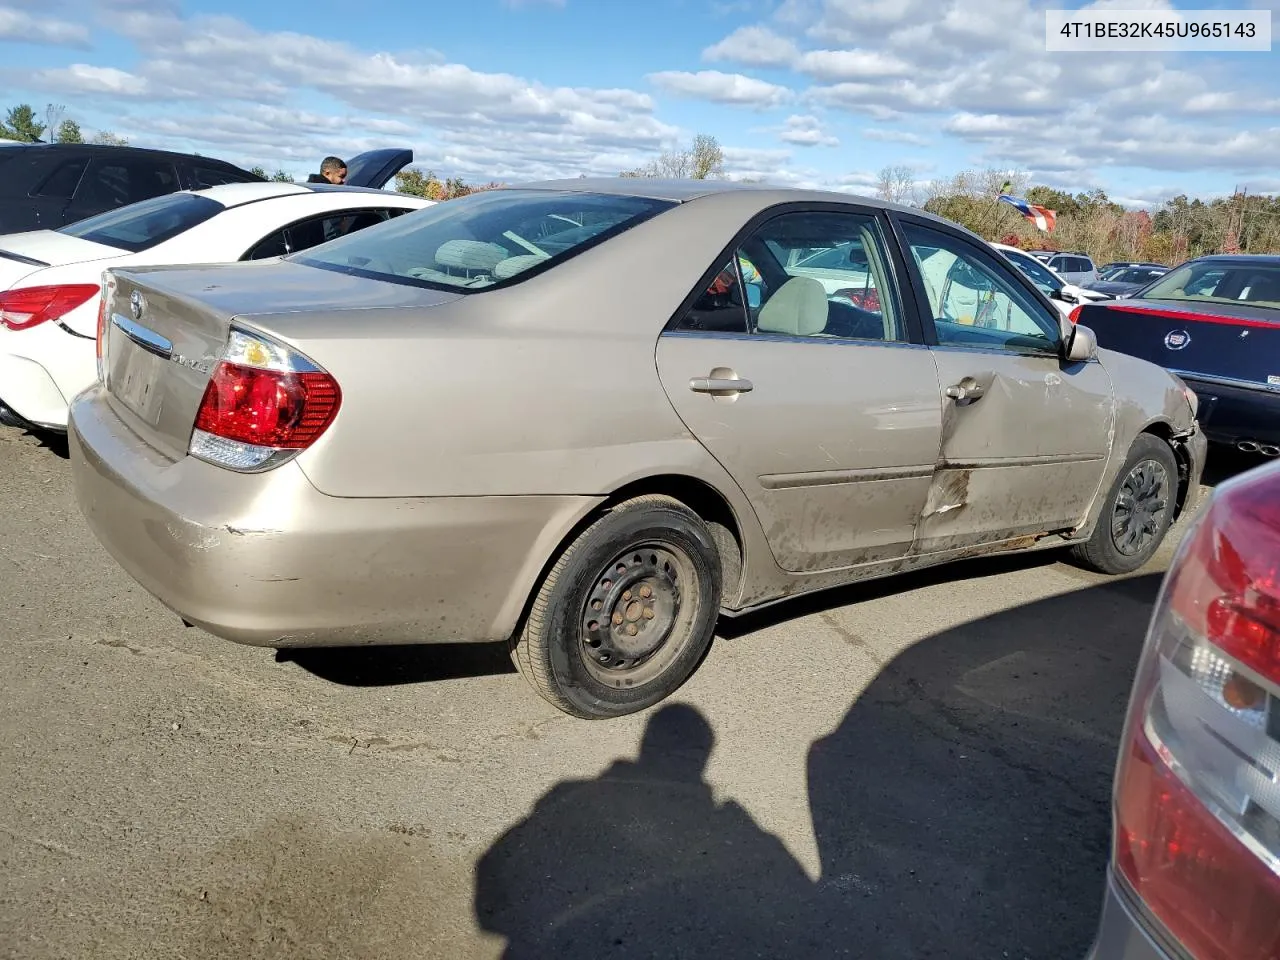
965 390
720 385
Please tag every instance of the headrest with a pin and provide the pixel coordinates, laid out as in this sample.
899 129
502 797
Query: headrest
513 265
470 255
797 309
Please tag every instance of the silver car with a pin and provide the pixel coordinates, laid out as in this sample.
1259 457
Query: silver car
587 417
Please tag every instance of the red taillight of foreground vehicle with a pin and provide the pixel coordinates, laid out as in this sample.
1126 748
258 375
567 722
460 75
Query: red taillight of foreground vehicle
264 402
1197 802
28 307
1074 316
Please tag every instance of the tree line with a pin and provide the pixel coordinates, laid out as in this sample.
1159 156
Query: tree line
1175 230
23 124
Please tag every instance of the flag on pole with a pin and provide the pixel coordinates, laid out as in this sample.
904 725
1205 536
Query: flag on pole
1042 217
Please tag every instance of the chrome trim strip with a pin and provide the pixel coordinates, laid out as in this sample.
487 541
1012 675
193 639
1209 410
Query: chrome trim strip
985 463
822 478
784 338
144 337
1226 381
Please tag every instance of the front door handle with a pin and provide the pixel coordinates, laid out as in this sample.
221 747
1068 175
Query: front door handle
965 390
720 385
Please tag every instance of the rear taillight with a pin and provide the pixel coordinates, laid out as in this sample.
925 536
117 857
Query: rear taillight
27 307
1197 802
1074 316
264 403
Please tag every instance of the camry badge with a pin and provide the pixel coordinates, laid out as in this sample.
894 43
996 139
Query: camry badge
136 304
1177 339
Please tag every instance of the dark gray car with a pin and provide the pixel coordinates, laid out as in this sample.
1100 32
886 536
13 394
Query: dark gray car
1120 282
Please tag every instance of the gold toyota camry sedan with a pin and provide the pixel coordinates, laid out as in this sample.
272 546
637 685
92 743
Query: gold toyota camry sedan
588 417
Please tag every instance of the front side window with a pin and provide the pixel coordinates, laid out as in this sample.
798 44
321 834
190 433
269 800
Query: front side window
484 239
976 301
1256 284
144 225
812 274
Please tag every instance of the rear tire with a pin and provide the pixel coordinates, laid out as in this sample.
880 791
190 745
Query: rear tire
627 612
1137 513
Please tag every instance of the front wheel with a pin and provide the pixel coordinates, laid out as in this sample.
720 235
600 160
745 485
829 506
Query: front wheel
627 612
1137 513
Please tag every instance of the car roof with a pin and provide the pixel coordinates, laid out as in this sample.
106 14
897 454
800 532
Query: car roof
1241 259
753 195
99 149
237 194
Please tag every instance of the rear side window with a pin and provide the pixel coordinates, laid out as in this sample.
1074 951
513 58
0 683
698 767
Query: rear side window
115 183
489 238
62 182
317 230
144 225
216 176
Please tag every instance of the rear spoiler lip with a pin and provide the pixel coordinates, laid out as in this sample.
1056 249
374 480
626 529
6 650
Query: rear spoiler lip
19 258
1194 317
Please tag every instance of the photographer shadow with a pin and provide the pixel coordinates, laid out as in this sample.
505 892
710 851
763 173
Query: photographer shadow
961 809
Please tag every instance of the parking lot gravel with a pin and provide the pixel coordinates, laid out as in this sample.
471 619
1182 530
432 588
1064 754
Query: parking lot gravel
912 768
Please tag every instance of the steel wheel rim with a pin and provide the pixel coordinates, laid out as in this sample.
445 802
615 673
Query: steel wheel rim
636 618
1140 507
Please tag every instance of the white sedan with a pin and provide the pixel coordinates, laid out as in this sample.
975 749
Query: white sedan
50 280
1049 280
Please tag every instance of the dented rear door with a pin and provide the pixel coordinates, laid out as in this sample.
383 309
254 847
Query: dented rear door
1025 435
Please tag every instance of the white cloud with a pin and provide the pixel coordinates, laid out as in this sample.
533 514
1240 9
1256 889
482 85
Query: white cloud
726 88
833 66
806 131
753 46
202 81
894 136
19 26
83 78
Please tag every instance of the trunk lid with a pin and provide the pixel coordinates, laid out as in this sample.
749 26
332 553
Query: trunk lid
1228 341
162 345
22 254
375 168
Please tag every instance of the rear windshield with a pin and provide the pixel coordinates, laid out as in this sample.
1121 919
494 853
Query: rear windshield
488 238
1215 282
143 225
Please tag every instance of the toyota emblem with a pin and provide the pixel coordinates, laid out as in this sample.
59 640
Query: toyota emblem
1177 339
136 303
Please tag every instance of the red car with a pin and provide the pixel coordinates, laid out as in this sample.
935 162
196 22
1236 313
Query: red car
1195 869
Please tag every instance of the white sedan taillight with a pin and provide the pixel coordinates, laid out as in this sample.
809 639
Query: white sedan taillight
264 403
1197 795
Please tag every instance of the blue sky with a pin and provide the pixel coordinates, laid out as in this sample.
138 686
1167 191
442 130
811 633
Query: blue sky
804 92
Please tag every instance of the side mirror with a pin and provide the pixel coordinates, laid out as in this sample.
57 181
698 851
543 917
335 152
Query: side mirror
1081 344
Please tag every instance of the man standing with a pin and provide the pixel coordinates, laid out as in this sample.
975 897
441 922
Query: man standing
332 170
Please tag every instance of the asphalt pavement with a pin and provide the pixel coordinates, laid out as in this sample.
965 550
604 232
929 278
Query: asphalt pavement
912 768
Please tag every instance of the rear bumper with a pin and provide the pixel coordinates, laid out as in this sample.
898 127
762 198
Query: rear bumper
266 559
41 370
1229 414
1121 935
